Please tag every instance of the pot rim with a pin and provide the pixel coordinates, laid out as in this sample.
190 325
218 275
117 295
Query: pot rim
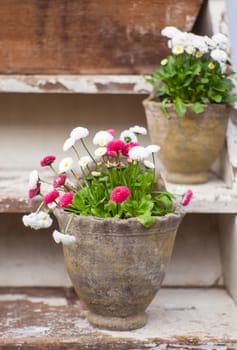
150 99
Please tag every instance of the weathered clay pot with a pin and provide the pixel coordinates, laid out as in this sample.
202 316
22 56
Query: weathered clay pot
189 144
117 266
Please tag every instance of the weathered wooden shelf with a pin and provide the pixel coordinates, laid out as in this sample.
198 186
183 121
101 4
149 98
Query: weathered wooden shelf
212 197
51 318
88 84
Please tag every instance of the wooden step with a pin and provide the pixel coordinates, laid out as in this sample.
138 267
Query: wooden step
54 318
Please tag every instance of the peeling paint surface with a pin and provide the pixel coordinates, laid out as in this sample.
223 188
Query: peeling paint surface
92 84
177 319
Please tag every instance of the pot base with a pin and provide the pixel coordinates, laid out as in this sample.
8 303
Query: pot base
117 323
193 178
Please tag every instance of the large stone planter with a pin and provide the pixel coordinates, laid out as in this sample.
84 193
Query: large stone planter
117 266
189 144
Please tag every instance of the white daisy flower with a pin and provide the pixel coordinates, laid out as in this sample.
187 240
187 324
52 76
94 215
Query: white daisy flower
84 161
33 179
219 55
128 136
102 138
37 220
138 130
100 152
149 164
63 238
96 173
221 41
170 31
65 164
152 149
79 133
138 153
190 49
68 144
177 49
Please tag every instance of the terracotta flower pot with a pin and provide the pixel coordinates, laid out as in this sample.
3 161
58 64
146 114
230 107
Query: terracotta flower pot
117 266
189 144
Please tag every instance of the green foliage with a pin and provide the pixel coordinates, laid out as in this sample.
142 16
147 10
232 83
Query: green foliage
187 79
94 198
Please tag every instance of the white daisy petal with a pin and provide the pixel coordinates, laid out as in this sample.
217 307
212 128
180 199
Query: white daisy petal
79 133
138 130
63 238
68 144
149 164
84 161
65 164
102 138
128 136
37 220
138 153
100 152
152 148
33 179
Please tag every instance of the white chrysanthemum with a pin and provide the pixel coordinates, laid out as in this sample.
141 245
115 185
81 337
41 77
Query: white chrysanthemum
68 144
128 136
84 161
219 55
33 179
37 220
138 130
65 164
63 238
152 149
102 138
180 39
96 173
177 49
149 164
138 153
170 31
221 41
79 133
100 152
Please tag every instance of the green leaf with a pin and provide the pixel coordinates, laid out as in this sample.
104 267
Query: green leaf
197 107
180 106
146 220
217 98
163 108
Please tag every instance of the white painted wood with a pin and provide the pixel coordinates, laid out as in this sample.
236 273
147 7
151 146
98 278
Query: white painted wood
228 229
90 84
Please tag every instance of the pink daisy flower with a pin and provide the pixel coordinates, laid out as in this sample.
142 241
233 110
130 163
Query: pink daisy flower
47 160
128 146
187 197
115 146
59 181
66 200
50 197
120 194
34 191
111 131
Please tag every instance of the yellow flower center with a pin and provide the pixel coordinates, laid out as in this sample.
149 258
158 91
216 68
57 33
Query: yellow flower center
164 62
211 65
199 54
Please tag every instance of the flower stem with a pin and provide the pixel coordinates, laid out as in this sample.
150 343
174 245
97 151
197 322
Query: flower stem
69 223
84 145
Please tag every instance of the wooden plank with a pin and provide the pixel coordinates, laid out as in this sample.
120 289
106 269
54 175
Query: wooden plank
88 37
86 84
200 319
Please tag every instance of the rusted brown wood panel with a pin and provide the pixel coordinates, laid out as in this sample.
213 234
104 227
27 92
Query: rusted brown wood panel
88 36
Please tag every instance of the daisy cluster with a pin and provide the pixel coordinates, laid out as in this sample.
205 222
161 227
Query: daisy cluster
115 180
217 46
